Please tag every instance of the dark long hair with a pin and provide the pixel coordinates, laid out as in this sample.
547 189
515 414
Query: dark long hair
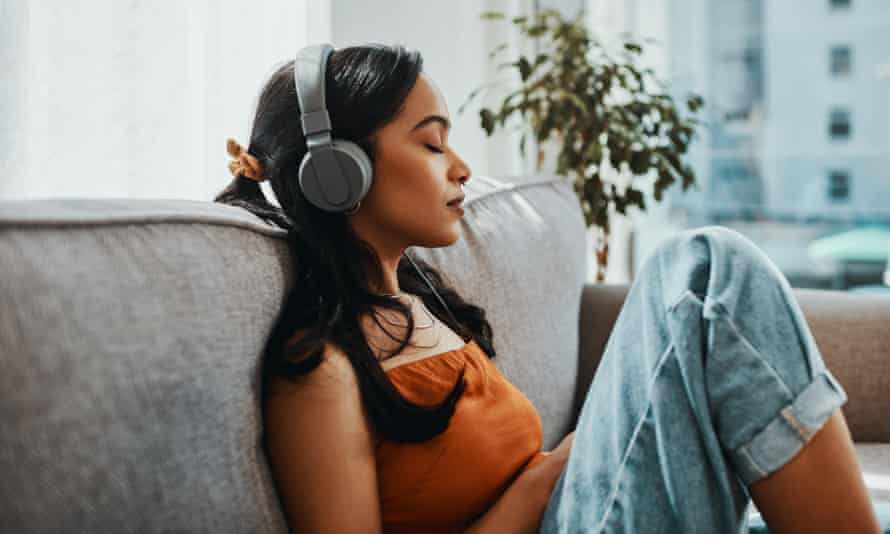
365 88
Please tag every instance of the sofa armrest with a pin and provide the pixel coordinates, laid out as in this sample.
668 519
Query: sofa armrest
852 331
600 305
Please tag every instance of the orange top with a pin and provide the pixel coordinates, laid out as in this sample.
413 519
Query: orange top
495 433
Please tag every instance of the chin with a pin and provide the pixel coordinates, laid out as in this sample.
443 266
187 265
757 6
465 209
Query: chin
456 234
453 241
445 240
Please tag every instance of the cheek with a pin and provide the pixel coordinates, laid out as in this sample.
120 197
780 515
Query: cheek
406 184
410 188
415 209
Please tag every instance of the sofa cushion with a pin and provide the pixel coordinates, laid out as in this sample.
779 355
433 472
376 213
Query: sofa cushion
131 331
130 335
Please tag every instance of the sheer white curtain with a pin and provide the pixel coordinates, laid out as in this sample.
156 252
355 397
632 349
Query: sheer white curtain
104 98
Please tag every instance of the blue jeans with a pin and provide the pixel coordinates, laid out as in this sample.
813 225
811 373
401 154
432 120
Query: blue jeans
710 381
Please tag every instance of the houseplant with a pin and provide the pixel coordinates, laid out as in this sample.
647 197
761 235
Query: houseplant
599 110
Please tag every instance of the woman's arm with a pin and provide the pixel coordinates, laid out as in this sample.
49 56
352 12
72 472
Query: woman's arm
319 443
521 506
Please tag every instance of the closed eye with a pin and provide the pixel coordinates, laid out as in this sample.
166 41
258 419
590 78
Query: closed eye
434 149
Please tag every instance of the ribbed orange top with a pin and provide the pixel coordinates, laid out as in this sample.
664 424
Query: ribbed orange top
495 433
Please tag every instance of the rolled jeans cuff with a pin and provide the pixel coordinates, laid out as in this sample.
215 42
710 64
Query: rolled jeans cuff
786 434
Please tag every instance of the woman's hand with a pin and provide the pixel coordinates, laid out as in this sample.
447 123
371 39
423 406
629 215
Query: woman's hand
520 508
546 472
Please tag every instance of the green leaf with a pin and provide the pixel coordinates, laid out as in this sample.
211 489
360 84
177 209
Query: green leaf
562 163
688 176
487 119
525 68
492 15
497 49
536 31
639 161
575 100
471 96
594 152
633 47
615 158
593 189
620 204
601 216
635 196
665 178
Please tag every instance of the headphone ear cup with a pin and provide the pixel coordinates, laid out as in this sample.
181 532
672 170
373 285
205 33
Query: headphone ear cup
343 169
358 155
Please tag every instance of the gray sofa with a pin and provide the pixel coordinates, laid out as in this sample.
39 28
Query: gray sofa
130 335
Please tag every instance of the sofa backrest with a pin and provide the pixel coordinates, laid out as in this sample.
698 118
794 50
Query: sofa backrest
131 333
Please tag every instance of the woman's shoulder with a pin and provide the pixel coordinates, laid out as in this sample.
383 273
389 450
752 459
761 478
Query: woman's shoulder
334 371
335 378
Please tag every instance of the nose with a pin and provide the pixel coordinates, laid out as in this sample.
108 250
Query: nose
461 171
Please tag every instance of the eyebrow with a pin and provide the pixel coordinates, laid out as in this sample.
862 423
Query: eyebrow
433 118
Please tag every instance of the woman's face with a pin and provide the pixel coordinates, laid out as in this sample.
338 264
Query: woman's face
416 173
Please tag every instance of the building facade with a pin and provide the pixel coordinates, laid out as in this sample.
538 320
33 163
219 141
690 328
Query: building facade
798 113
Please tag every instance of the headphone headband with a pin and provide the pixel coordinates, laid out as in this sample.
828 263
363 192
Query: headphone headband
309 79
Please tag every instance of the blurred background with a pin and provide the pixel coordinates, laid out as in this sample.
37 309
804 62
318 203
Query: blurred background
105 98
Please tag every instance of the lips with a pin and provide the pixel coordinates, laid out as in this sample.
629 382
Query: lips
456 201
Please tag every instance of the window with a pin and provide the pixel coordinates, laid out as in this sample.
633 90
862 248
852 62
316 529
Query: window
841 60
839 4
838 186
839 124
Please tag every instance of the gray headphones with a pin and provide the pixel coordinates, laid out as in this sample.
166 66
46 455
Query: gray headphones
335 174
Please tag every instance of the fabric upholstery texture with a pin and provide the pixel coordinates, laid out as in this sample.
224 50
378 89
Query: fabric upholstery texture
131 331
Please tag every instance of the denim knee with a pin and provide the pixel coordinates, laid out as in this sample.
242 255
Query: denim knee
717 264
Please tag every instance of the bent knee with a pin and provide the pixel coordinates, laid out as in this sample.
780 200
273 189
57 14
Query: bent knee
717 244
710 260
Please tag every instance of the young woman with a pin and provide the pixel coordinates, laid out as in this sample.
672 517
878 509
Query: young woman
382 413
